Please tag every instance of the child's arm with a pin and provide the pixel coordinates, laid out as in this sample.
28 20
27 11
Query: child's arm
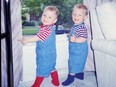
30 39
77 40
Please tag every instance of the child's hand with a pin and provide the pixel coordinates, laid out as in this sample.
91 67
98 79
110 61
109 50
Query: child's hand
23 41
72 38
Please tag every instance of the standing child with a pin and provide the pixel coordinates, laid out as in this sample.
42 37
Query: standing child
78 48
45 47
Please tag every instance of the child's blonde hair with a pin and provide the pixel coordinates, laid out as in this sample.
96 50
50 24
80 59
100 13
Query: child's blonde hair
52 8
81 6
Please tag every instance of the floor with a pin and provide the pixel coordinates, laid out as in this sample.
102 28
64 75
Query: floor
61 66
89 81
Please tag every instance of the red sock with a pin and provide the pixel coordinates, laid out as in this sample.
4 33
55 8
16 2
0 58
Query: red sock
55 79
38 81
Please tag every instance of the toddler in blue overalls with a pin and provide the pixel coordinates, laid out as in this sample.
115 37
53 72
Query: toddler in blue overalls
78 48
46 47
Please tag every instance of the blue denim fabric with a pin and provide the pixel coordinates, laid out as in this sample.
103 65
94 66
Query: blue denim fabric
46 55
77 53
77 57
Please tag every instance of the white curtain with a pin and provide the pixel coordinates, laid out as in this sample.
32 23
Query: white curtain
94 3
102 16
16 26
91 4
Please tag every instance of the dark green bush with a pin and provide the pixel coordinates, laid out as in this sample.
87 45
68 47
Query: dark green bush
29 23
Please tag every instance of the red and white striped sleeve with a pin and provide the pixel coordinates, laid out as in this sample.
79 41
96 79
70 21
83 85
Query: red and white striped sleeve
44 33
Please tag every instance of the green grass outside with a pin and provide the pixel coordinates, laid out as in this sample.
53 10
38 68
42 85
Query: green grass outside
29 30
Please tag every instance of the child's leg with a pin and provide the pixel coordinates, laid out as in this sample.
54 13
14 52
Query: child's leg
80 75
38 81
69 80
55 79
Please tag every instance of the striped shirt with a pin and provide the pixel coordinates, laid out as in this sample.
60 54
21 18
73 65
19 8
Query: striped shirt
80 30
44 33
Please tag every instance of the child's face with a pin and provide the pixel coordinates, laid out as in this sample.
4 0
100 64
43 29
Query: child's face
49 17
78 15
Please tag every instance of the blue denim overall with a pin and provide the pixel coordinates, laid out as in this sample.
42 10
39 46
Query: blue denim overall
77 55
46 55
